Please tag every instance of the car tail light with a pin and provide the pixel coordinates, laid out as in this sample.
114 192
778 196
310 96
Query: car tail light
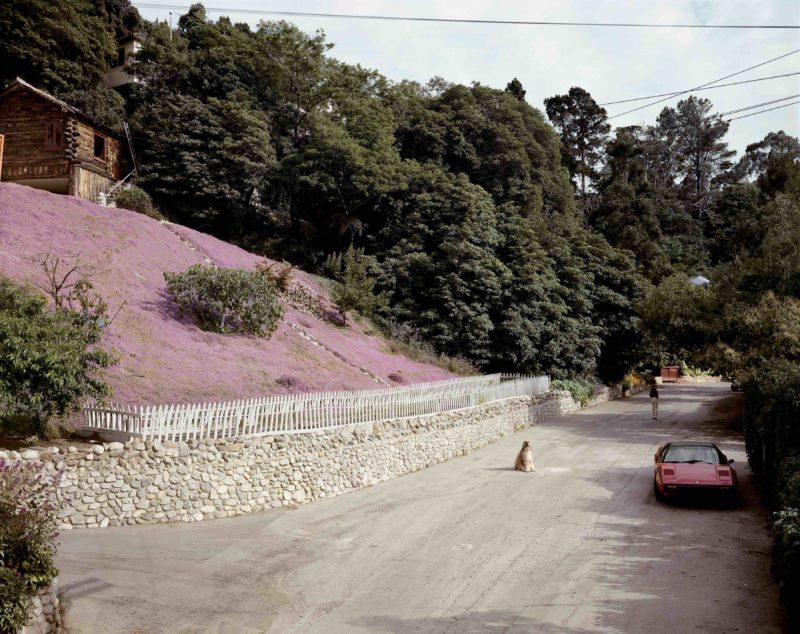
668 472
724 473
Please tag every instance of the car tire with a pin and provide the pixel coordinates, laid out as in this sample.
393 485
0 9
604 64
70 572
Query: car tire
659 496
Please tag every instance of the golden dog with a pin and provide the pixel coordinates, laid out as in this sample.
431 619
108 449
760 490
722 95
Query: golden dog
524 460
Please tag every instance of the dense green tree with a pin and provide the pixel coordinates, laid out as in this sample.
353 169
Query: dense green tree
516 89
204 163
584 130
50 358
439 269
694 137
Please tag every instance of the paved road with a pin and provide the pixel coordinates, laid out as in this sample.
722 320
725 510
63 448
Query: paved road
465 546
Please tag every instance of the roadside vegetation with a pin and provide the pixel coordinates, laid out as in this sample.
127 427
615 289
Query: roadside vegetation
27 537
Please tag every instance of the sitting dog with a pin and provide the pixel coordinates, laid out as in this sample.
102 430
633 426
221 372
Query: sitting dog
524 460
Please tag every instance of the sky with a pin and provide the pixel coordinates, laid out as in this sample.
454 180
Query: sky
610 63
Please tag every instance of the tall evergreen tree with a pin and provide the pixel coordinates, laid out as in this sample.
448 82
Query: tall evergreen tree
584 131
516 89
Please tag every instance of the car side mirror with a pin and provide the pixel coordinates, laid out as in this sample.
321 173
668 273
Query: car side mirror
655 458
730 460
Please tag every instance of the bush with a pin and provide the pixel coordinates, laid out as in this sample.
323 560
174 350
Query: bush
786 559
581 390
279 275
354 288
226 300
27 538
51 359
136 199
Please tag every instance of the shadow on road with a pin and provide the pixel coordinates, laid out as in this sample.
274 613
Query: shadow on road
507 622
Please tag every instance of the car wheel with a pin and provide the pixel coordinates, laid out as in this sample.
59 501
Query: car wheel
659 496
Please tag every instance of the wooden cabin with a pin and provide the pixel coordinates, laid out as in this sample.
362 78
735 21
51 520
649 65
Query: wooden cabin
53 146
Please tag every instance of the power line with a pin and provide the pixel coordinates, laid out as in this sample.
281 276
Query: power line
652 103
752 114
403 18
672 94
758 105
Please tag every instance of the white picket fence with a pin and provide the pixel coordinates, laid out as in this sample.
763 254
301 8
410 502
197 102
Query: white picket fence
303 413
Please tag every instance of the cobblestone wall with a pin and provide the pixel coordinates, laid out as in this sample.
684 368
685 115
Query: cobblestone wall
45 617
150 482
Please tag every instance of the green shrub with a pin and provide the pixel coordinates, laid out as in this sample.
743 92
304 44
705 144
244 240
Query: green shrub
786 559
279 275
688 370
226 300
581 390
50 359
354 288
15 600
27 537
136 199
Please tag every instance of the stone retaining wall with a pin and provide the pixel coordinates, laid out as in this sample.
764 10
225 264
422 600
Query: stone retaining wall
150 482
45 616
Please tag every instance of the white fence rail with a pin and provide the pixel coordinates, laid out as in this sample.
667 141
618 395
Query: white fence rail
303 413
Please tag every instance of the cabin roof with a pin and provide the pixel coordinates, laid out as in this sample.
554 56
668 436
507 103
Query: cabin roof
21 84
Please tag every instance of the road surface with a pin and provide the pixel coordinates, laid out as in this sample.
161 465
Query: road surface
466 546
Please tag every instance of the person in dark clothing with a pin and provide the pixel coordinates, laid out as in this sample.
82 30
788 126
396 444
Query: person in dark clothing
654 400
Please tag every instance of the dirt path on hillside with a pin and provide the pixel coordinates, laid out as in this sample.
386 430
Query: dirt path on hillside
466 546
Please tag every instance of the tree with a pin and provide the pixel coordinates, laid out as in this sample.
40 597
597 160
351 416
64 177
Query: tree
354 287
205 163
438 265
775 164
51 360
695 140
584 130
516 89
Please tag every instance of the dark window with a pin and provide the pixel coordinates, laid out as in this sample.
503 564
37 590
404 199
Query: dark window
55 136
121 56
100 147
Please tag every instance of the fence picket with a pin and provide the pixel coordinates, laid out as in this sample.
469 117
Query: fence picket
299 413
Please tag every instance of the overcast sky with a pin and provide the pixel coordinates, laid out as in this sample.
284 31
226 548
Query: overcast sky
611 63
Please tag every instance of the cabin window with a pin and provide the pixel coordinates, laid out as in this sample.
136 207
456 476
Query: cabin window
121 56
55 136
100 147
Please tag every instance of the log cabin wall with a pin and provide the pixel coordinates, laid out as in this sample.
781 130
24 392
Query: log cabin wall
34 142
96 158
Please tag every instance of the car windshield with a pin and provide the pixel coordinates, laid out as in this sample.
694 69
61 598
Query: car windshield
692 453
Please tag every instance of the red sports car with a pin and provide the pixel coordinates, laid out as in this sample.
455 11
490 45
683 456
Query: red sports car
683 467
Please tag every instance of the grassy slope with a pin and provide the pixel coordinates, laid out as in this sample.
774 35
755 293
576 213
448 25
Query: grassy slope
163 358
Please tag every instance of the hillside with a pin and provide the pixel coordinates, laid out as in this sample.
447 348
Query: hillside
162 358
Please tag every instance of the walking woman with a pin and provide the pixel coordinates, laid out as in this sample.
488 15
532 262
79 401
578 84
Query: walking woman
654 400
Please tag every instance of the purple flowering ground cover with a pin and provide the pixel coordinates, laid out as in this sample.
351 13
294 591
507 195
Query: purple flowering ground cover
161 357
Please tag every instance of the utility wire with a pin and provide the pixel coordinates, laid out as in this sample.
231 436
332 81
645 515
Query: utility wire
752 114
403 18
672 94
652 103
758 105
